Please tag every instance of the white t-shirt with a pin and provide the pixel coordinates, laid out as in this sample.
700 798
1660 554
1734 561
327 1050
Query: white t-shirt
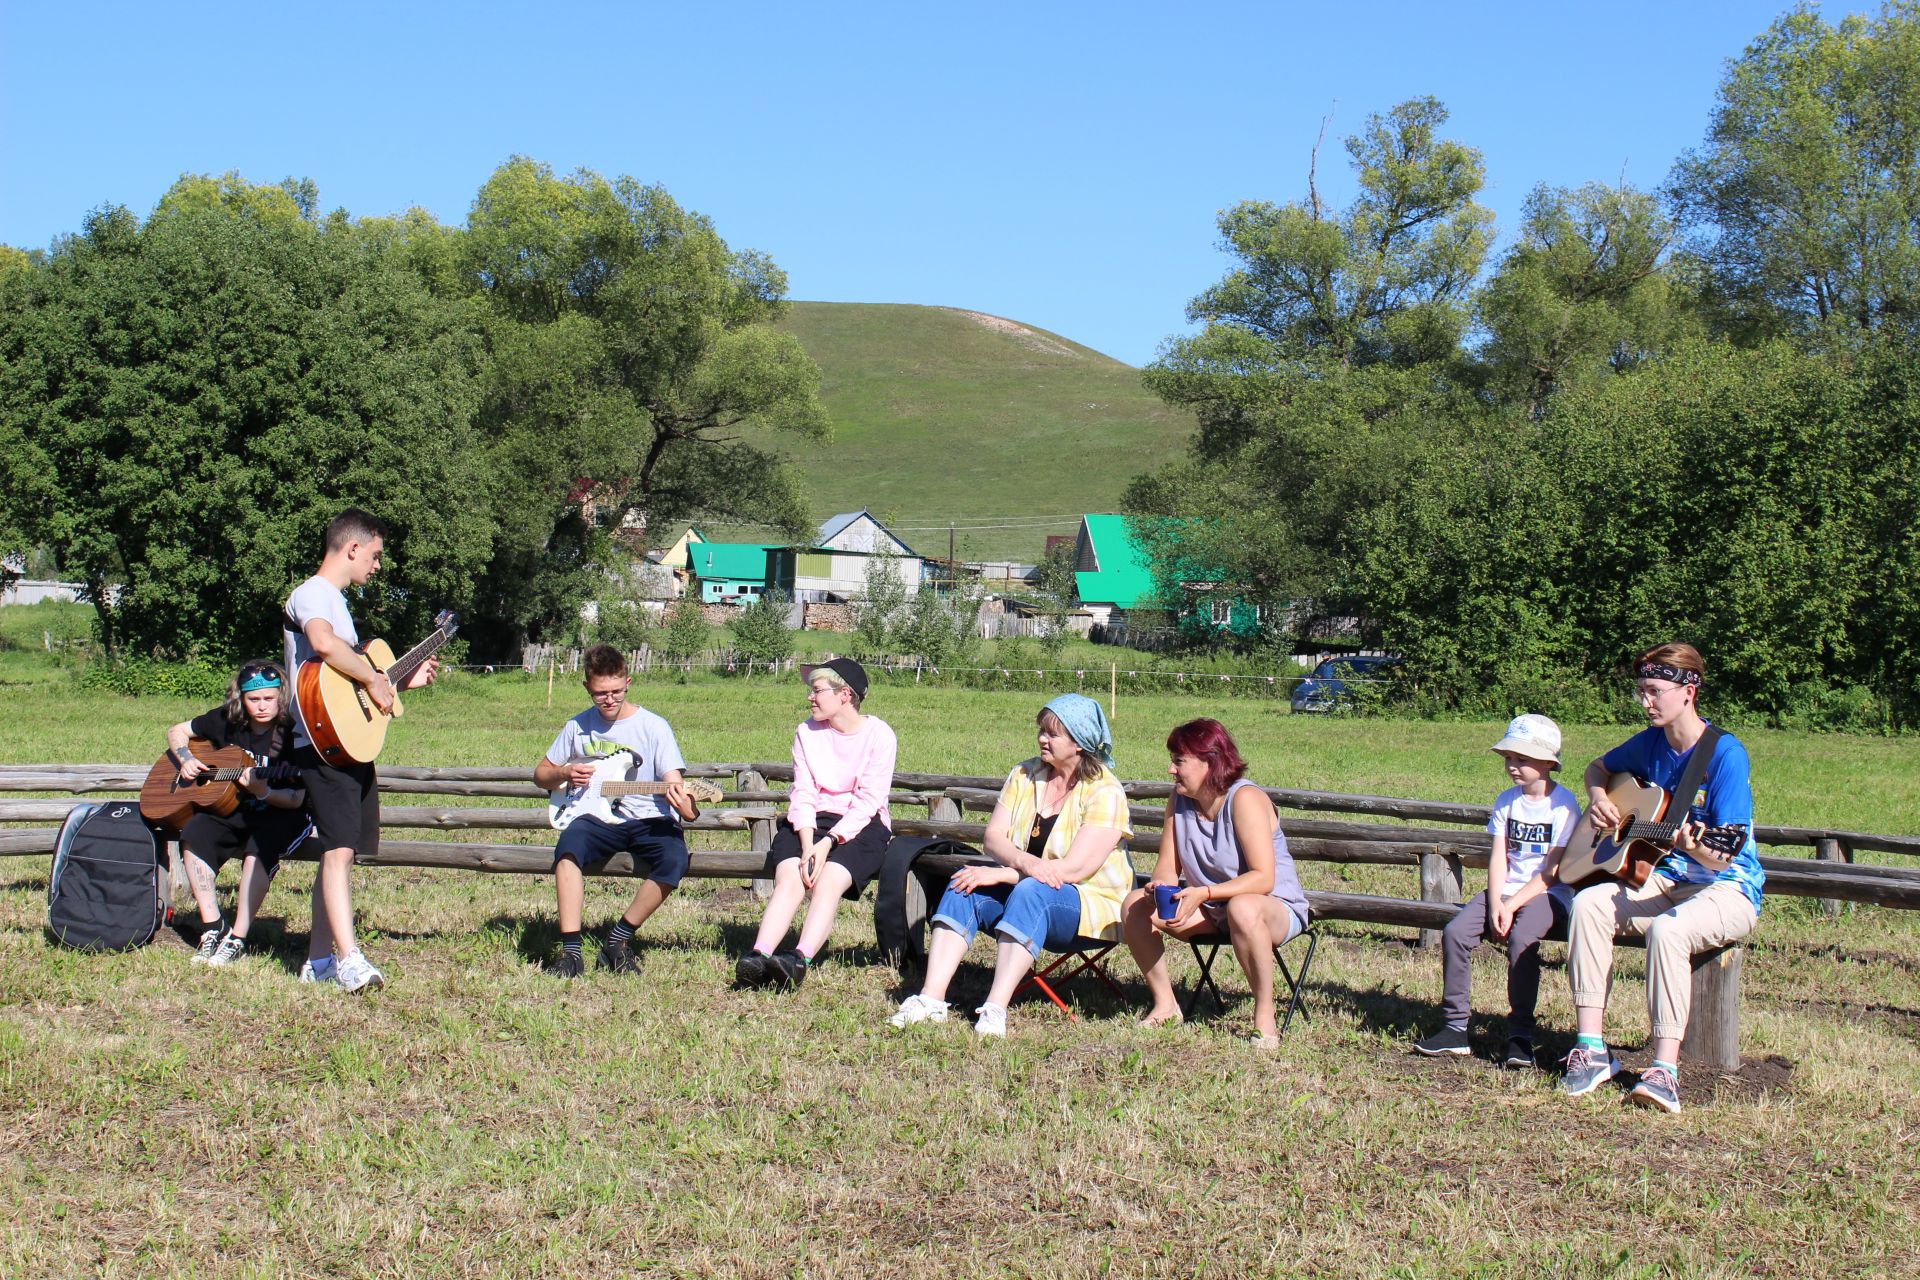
643 733
1532 827
314 598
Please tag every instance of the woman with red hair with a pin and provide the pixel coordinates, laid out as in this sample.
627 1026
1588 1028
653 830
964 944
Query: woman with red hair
1223 838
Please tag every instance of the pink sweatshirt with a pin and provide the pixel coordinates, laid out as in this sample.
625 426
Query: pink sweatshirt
845 773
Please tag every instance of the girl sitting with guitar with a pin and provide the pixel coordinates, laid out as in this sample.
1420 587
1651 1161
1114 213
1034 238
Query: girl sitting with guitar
1697 897
269 821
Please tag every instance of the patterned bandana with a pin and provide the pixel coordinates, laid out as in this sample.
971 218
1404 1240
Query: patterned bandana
1661 671
260 680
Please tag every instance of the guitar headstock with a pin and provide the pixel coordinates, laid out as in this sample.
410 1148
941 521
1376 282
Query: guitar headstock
703 792
1726 841
447 623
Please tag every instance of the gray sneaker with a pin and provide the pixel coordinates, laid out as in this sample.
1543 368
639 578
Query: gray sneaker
1447 1040
1657 1088
231 948
1587 1070
209 943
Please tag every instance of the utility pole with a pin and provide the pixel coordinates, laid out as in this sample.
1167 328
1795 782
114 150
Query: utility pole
953 570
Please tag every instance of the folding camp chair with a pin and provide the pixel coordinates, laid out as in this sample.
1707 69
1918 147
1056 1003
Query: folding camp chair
1206 949
1085 955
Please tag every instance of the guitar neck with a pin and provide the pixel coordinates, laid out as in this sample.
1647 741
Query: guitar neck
633 788
407 663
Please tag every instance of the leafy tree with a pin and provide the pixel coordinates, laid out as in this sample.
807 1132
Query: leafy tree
759 629
1058 594
629 345
1585 293
1322 359
1806 192
878 614
683 632
193 399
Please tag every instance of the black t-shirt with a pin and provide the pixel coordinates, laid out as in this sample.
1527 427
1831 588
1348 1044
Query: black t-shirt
267 745
1042 828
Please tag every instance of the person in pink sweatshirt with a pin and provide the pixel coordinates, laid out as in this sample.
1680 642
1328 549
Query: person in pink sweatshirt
835 834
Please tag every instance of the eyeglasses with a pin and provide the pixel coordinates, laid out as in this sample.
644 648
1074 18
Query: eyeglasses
609 695
1647 693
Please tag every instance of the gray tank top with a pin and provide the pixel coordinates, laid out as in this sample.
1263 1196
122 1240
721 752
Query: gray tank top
1208 854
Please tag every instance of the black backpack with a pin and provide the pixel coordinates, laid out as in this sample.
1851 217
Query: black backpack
105 894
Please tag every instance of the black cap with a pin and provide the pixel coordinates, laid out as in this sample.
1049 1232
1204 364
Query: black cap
847 669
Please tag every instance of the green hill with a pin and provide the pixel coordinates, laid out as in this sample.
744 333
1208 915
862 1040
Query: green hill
941 414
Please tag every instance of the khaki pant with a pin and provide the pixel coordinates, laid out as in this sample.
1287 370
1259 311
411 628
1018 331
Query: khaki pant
1677 920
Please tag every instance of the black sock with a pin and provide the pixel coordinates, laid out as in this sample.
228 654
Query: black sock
621 933
570 943
218 924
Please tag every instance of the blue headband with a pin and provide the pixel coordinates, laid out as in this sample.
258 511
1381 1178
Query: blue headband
260 680
1085 722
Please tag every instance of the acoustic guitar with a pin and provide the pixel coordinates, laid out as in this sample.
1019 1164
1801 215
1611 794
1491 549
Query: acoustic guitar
168 802
568 804
336 711
1630 850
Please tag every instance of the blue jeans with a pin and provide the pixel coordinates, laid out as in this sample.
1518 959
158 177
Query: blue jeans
1028 913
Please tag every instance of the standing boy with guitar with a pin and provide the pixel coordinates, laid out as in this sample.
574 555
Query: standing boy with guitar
644 825
344 799
1696 898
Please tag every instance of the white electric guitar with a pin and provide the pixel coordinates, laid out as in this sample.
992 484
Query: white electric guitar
609 784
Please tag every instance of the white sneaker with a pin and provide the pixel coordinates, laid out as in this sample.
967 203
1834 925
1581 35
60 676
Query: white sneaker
231 948
322 970
918 1008
357 974
990 1020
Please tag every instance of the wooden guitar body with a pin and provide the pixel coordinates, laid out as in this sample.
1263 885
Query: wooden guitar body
337 713
1619 853
169 802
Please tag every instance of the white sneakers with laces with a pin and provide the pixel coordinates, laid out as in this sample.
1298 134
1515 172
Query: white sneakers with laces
990 1020
916 1009
357 974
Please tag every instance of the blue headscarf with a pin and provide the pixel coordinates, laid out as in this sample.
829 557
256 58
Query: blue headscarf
1086 723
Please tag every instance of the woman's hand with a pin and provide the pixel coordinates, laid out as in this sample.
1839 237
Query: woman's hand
967 879
815 859
1186 908
254 783
191 766
1046 871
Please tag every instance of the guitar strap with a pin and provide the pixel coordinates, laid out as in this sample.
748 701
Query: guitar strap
1694 776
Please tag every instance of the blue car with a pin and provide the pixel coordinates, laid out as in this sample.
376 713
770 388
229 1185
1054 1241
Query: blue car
1326 689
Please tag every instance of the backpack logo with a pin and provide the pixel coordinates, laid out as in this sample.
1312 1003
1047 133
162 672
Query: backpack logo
119 811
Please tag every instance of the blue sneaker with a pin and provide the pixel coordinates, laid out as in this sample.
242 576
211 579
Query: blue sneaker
1587 1070
1657 1088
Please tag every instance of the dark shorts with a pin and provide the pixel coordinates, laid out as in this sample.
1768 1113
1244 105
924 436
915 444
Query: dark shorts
270 835
655 843
861 856
345 803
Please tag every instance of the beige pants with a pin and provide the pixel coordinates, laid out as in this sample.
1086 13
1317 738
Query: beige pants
1677 920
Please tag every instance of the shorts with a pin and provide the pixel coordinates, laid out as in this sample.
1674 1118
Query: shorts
1215 914
861 856
345 803
655 842
268 835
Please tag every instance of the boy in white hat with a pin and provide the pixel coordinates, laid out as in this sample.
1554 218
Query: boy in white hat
1530 824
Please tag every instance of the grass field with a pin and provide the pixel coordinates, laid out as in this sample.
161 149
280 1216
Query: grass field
941 414
477 1118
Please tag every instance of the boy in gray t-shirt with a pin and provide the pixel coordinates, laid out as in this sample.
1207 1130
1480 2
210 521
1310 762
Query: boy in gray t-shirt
642 825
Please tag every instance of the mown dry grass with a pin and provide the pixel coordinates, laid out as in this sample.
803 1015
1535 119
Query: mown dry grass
477 1118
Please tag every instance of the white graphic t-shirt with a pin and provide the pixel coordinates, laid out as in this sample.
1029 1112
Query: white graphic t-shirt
647 736
1532 827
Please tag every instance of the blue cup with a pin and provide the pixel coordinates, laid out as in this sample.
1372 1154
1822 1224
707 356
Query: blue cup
1163 899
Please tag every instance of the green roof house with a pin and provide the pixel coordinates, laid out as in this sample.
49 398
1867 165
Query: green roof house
729 572
1110 573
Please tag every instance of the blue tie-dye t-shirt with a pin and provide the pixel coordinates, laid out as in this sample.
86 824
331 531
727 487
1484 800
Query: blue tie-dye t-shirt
1725 800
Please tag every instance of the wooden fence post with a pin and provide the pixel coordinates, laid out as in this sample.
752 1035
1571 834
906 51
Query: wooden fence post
1713 1026
1439 882
1833 851
759 830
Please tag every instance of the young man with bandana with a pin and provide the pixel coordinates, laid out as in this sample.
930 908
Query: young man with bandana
1695 899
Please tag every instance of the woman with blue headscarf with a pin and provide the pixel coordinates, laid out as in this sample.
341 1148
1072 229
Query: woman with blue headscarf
1059 838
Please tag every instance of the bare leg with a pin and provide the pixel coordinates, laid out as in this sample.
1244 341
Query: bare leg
829 887
200 879
646 900
944 954
781 906
1009 967
337 895
569 890
1150 954
254 878
1255 921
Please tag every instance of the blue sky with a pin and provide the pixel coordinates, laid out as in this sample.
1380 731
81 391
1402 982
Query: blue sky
1059 164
